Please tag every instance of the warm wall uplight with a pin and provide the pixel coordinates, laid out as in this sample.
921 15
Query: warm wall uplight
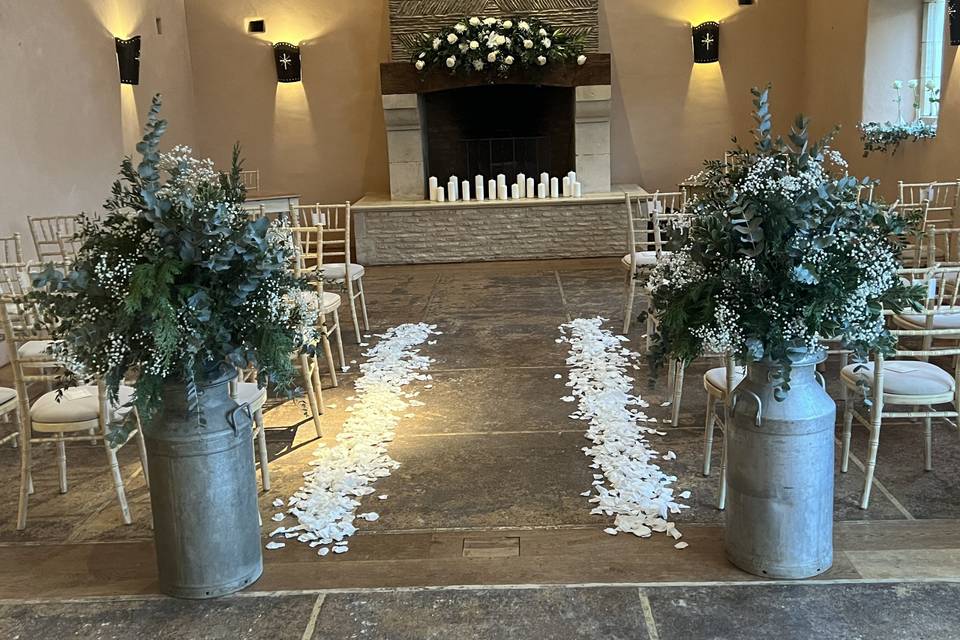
287 57
128 59
706 42
953 13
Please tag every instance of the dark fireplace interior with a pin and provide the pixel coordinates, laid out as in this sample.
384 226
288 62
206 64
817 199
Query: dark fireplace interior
494 129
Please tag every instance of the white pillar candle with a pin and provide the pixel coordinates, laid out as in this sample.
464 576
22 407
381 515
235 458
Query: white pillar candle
501 192
492 189
566 187
522 185
433 188
541 191
453 190
554 188
479 195
573 177
544 178
530 188
465 190
478 183
515 191
577 190
501 180
441 196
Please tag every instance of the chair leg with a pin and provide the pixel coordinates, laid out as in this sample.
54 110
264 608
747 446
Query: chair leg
847 428
928 442
353 309
363 304
262 449
722 499
311 392
26 484
629 291
118 482
339 336
871 465
651 329
677 393
708 425
142 449
62 463
328 352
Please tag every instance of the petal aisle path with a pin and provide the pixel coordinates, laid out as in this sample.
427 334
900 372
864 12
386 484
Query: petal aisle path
629 483
325 506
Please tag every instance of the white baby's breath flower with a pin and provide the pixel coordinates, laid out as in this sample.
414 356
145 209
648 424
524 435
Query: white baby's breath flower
452 61
541 60
452 38
581 59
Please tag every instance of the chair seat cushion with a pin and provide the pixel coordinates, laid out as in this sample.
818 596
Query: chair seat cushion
252 394
335 271
33 348
644 257
903 377
328 303
72 409
6 395
940 320
717 377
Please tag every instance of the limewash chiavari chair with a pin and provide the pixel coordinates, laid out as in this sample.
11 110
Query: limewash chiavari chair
909 380
254 211
308 245
644 243
80 414
943 197
717 382
250 178
11 249
254 397
336 220
914 241
865 193
54 237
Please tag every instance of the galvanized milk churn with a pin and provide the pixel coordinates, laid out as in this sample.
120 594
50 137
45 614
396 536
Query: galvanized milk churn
780 456
204 492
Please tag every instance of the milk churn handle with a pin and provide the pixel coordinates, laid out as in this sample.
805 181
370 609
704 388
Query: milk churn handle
232 417
821 380
733 404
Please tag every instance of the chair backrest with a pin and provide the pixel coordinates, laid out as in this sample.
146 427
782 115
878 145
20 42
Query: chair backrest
250 178
254 211
18 321
943 197
11 249
940 247
914 239
865 193
54 237
307 249
335 220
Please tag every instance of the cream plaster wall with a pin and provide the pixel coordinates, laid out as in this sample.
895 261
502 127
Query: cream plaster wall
66 121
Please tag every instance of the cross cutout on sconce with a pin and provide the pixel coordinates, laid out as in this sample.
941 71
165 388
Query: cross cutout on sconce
287 58
706 42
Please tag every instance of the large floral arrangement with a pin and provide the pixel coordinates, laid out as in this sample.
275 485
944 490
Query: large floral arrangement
495 45
780 254
175 280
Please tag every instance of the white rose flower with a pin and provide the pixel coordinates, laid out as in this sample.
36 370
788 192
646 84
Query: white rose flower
524 25
913 84
930 85
581 59
489 21
436 43
452 38
460 27
500 40
492 56
508 59
464 47
897 84
475 21
541 60
508 24
478 65
546 42
528 44
543 32
452 61
474 45
420 65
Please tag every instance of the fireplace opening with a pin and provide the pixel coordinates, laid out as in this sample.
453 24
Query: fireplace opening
495 129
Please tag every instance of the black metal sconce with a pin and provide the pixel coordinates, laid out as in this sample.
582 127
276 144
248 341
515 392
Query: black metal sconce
746 2
287 57
953 17
706 42
128 59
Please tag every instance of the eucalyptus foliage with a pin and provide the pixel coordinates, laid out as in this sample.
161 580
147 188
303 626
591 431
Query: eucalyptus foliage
780 254
887 136
174 281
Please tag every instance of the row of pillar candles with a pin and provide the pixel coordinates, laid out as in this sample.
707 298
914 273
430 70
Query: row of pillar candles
524 187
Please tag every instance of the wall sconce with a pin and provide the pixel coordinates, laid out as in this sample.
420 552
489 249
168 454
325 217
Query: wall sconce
287 57
953 16
746 1
128 59
706 42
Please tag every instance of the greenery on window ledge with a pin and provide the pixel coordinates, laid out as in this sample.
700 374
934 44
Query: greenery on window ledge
887 136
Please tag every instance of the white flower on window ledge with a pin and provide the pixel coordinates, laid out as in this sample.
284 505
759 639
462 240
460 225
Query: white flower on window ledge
452 61
541 60
581 60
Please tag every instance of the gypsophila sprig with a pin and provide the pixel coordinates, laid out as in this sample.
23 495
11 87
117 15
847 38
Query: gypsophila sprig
175 280
496 46
780 255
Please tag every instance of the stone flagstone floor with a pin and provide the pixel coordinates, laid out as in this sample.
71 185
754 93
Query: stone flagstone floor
493 450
